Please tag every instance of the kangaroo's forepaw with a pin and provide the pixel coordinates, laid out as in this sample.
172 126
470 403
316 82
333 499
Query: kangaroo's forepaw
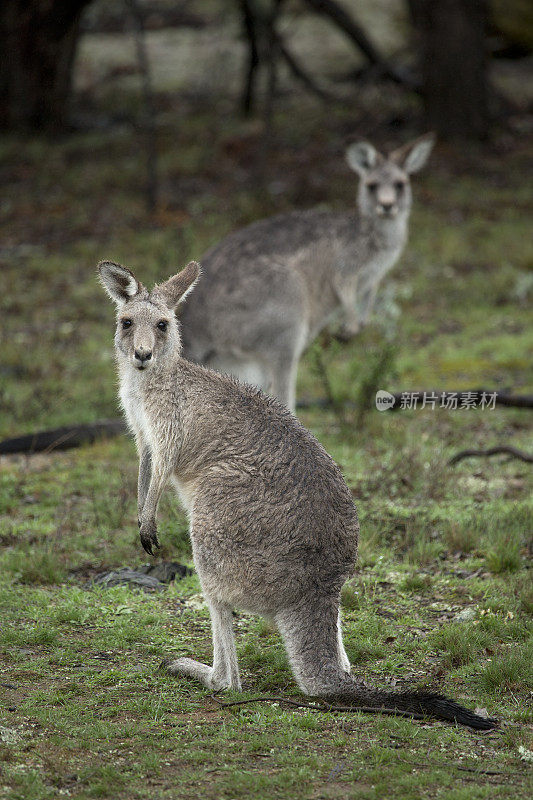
148 534
345 335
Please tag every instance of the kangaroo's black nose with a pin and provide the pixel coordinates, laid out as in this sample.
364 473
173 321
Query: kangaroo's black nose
143 355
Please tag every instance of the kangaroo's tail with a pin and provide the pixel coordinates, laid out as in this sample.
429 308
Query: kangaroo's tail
352 693
311 632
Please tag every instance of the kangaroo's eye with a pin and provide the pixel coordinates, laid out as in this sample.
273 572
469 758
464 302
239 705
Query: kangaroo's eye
126 323
399 186
372 187
163 325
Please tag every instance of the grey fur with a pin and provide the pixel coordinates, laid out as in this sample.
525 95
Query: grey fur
272 523
269 289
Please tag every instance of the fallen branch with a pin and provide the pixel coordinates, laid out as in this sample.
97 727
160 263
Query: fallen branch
393 712
63 438
492 451
474 770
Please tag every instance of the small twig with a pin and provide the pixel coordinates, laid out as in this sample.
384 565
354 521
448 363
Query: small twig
432 765
336 770
481 771
339 408
320 367
492 451
323 707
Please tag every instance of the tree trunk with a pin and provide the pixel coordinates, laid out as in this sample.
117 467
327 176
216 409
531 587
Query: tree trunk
38 41
249 24
453 65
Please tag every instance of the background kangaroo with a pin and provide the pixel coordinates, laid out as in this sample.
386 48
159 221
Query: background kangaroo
269 288
272 523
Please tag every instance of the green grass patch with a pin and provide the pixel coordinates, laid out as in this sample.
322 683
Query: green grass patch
505 554
511 670
461 643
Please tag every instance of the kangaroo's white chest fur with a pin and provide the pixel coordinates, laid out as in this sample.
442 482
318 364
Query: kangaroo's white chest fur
379 264
132 402
135 400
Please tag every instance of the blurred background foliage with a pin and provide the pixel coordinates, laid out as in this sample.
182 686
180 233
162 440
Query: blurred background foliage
443 52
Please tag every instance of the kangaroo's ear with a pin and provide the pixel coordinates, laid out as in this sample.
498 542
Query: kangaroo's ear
176 289
362 157
120 283
413 155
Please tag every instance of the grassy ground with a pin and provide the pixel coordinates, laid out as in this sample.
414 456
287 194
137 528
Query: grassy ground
442 595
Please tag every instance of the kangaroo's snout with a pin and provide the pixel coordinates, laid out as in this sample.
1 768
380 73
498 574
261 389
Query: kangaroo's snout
141 357
387 209
387 203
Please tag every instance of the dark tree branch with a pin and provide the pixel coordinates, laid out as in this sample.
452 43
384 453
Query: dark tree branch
302 76
324 706
340 17
492 451
63 438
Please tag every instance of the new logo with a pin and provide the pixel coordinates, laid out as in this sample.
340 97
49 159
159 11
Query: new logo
384 400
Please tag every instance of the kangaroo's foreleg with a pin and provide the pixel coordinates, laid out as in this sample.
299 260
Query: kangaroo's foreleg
145 475
147 522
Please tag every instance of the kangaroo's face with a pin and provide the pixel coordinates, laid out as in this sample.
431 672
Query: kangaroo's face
384 185
385 191
147 329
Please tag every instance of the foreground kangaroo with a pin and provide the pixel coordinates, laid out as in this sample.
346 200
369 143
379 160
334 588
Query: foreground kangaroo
269 289
272 523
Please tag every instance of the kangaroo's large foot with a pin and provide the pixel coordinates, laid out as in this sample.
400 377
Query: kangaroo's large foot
202 673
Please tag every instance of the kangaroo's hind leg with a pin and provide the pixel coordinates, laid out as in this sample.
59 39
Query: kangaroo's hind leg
224 674
345 661
311 635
